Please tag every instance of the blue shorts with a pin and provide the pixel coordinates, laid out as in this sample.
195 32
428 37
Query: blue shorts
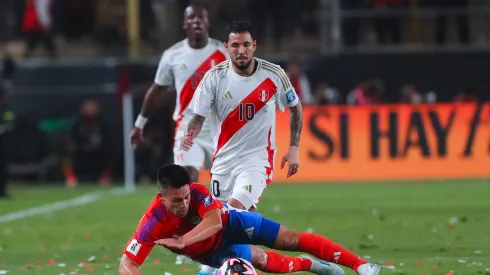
243 229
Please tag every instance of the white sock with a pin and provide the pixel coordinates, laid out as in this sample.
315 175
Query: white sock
208 270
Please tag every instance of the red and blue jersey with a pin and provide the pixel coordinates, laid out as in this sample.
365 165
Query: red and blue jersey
158 223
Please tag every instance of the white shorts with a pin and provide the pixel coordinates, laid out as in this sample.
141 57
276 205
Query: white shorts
245 185
202 151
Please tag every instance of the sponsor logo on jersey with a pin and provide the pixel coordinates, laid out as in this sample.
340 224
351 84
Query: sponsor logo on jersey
249 231
228 95
290 96
133 247
207 201
248 188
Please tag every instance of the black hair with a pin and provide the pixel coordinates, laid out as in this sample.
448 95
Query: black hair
238 27
172 176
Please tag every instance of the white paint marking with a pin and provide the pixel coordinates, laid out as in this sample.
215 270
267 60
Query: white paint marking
61 205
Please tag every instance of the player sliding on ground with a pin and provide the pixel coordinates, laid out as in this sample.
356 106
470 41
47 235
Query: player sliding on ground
184 218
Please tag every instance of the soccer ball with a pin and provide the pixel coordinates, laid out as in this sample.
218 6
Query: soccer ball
237 266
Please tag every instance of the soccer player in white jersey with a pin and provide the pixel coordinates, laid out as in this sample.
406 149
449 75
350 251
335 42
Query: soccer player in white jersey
183 66
240 97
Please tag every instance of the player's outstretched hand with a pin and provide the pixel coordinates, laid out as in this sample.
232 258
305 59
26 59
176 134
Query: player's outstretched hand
187 141
136 137
171 243
292 158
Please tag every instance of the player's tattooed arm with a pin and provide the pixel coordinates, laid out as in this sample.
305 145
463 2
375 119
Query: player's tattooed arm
195 125
295 123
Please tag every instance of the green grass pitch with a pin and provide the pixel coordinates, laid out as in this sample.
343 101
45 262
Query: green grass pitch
415 227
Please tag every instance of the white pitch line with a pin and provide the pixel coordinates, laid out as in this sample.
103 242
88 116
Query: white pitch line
53 207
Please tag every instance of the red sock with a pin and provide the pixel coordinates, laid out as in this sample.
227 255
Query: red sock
278 263
327 250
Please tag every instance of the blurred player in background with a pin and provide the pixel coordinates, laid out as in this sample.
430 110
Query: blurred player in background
240 96
187 220
183 65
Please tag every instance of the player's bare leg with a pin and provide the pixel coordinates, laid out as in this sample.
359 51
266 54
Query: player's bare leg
273 262
249 187
238 205
324 249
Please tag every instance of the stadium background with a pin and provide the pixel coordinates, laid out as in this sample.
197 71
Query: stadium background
395 149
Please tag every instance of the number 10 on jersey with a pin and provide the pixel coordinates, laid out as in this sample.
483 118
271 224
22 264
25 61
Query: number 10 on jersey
246 111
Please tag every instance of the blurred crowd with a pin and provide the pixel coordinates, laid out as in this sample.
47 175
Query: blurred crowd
279 24
366 92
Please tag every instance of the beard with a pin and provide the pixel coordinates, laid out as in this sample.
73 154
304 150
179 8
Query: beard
242 67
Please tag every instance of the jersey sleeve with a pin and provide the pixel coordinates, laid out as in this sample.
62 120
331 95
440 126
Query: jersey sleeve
140 245
164 75
205 202
203 98
286 95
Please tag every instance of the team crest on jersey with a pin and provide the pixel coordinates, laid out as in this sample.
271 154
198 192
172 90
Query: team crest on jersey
195 220
264 95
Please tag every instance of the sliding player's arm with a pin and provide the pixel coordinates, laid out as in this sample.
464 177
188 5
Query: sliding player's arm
211 224
138 247
289 98
209 210
153 98
201 105
128 266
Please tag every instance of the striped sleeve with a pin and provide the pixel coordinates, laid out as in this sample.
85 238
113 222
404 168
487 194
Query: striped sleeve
286 95
140 245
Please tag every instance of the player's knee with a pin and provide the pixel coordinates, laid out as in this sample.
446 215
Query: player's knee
236 204
241 199
287 239
259 258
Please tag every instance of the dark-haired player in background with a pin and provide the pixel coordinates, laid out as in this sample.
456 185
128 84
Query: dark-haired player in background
183 65
187 220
